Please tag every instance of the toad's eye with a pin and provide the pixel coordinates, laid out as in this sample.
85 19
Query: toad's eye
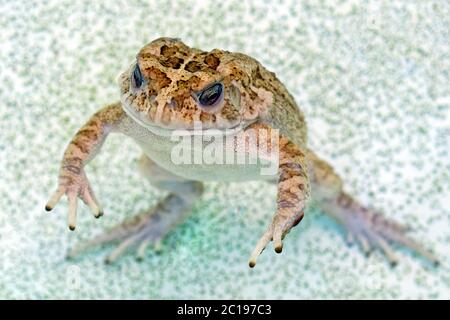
138 79
211 95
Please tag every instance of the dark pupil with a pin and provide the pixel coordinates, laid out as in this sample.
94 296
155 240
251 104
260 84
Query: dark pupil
137 76
210 95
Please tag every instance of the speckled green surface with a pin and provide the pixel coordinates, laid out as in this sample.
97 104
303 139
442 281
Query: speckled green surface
372 77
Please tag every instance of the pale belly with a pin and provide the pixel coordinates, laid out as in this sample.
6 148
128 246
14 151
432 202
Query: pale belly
203 160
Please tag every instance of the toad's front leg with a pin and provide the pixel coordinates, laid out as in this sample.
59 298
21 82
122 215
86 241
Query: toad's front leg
84 146
293 194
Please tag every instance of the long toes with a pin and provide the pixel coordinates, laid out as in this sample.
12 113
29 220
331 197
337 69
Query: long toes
72 218
112 235
277 239
90 200
364 243
54 199
142 249
414 245
157 245
388 251
260 246
400 226
121 248
95 242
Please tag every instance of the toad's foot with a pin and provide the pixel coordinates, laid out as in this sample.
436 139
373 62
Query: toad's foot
146 229
372 230
74 183
280 226
366 226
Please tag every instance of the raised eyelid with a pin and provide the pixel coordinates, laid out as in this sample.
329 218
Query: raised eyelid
209 85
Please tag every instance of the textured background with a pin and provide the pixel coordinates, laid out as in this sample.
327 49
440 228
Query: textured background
371 76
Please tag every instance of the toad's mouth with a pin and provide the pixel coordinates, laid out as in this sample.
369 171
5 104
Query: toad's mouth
198 128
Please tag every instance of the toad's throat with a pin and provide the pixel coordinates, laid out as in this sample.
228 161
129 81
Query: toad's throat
170 132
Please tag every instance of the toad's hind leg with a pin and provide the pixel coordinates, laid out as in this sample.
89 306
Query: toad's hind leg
150 227
364 225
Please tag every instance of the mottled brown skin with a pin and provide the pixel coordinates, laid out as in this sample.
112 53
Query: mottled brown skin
253 98
83 147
